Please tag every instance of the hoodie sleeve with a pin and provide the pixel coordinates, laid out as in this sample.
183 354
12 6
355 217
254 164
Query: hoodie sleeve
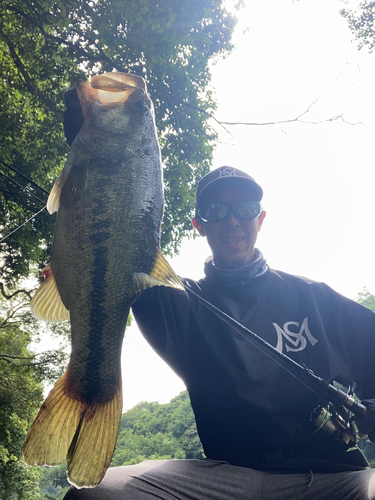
162 315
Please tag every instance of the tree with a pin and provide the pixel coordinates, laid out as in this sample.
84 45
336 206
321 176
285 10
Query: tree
53 483
22 373
46 46
366 299
156 431
361 24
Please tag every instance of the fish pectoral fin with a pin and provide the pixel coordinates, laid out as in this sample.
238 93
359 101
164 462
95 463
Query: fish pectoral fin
68 187
141 281
53 201
73 187
162 274
46 303
51 433
92 447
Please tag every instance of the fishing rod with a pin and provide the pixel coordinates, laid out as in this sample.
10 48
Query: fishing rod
325 418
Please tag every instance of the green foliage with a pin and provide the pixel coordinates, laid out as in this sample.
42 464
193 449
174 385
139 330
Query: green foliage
53 483
19 481
22 373
361 24
46 46
366 299
153 430
20 397
368 449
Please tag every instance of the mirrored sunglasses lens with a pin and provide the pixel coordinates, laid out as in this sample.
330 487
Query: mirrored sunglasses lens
246 210
214 212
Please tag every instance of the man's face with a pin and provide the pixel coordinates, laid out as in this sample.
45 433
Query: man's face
231 240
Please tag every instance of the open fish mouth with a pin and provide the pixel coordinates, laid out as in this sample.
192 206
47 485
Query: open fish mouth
117 82
109 89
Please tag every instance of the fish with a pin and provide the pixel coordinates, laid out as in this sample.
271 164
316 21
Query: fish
106 250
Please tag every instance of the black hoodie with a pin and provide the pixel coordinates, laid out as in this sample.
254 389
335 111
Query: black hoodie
249 410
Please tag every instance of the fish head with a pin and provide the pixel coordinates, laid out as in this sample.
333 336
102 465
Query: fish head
114 103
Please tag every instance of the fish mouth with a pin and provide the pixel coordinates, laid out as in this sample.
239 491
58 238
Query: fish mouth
118 82
109 89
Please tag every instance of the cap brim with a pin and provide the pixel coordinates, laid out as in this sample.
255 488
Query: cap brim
255 191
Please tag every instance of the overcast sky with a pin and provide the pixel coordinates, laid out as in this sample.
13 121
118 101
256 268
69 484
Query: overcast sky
318 177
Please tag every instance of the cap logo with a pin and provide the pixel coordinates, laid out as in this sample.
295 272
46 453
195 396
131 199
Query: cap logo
227 172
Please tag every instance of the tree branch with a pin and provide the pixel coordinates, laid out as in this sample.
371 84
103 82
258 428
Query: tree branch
175 110
28 80
8 297
289 120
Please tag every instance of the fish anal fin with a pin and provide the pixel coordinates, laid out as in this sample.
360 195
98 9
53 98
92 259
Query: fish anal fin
52 431
74 185
46 303
92 447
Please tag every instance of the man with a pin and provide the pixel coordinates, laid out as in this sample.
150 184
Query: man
254 417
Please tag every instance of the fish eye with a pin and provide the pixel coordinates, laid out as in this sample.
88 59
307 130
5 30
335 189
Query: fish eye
141 105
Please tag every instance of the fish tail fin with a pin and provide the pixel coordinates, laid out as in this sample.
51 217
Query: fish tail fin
92 447
84 435
52 431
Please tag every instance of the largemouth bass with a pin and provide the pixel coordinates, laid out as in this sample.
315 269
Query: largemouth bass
109 202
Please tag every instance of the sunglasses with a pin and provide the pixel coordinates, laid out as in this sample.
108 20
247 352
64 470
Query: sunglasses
216 212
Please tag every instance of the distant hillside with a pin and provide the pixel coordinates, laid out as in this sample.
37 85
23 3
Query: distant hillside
156 431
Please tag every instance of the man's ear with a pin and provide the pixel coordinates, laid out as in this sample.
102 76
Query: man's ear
197 223
261 217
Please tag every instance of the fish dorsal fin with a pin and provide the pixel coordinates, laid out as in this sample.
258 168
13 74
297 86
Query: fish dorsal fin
162 274
46 303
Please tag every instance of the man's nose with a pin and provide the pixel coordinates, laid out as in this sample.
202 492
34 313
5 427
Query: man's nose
231 220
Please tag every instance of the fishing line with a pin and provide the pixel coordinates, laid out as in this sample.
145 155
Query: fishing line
26 178
19 227
238 327
22 187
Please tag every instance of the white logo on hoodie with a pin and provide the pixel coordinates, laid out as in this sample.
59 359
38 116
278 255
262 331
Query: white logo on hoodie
296 338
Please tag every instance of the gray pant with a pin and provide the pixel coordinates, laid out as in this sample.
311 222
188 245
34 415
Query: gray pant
212 480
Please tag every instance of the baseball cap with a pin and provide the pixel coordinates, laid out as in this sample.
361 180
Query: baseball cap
227 176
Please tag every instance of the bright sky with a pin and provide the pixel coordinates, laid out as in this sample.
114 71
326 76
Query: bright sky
318 179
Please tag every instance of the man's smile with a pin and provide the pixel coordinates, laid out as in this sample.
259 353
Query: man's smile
233 239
